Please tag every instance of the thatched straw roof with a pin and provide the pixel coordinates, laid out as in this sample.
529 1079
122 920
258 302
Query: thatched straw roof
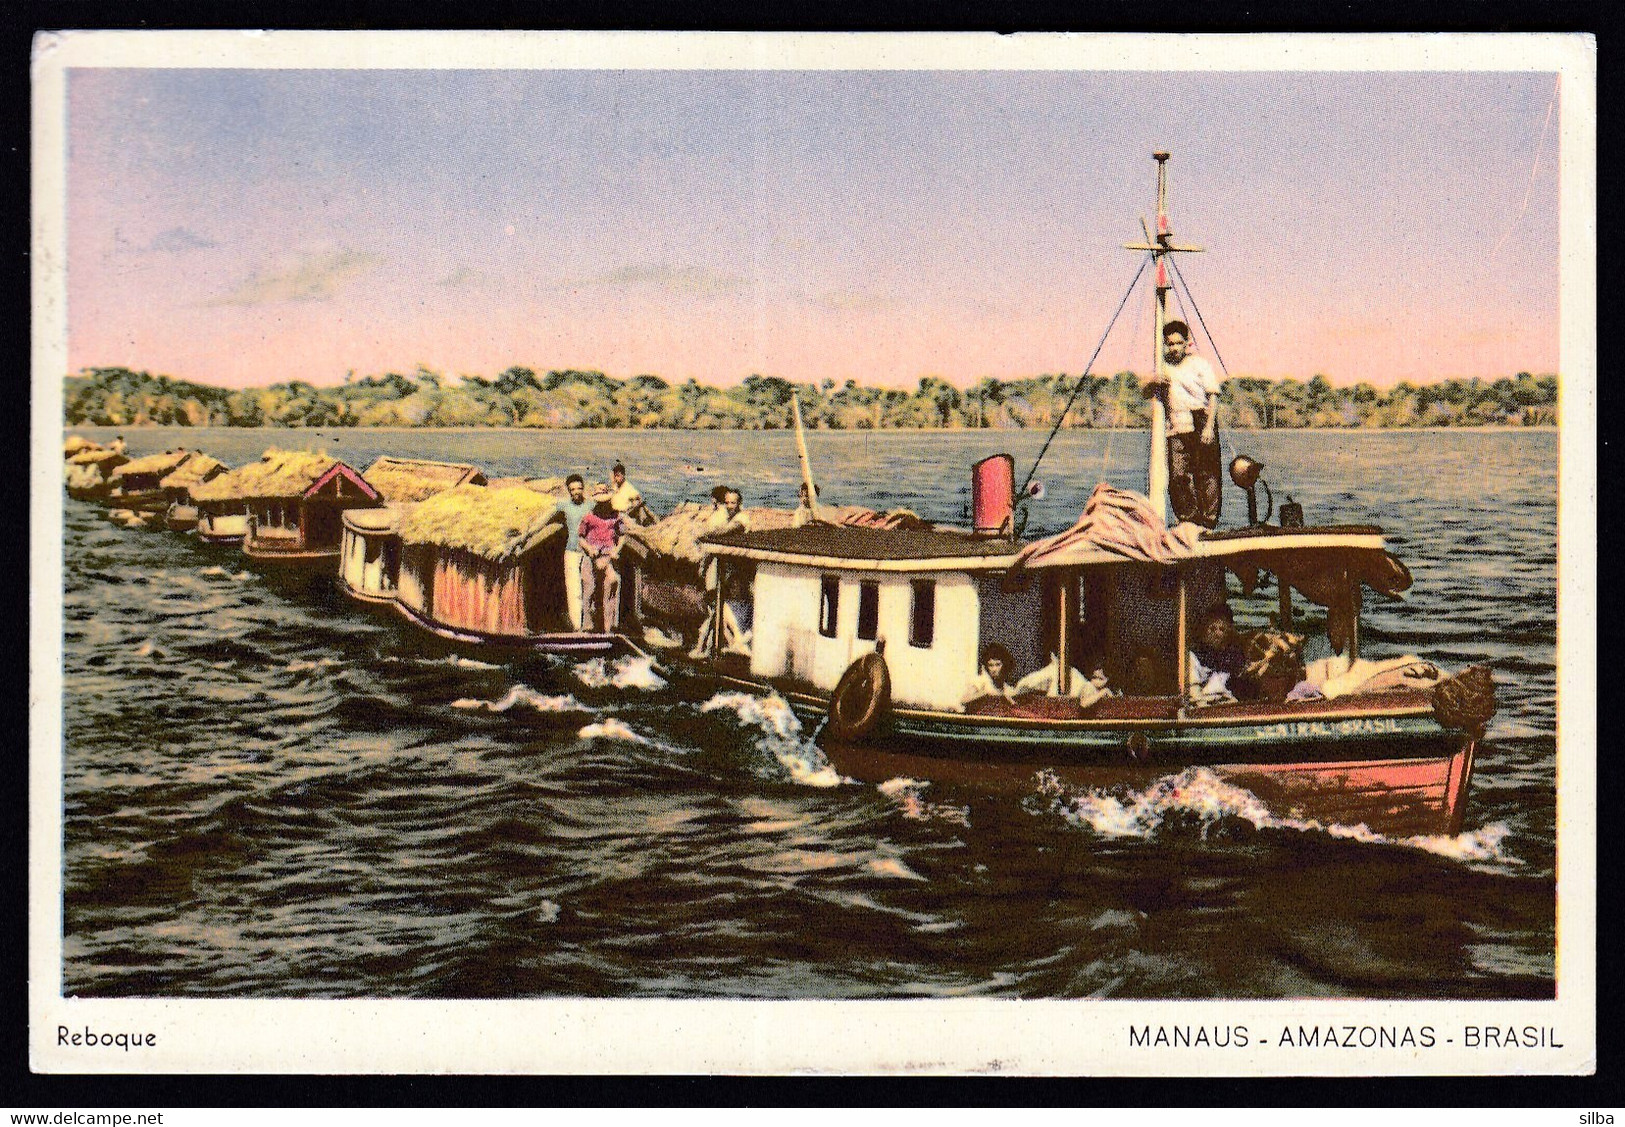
677 536
413 479
153 463
83 477
278 473
77 442
194 471
495 522
96 456
384 518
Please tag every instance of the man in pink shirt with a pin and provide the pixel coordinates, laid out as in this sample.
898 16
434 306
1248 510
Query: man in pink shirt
600 532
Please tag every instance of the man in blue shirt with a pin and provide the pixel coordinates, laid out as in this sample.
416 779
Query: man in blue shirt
576 507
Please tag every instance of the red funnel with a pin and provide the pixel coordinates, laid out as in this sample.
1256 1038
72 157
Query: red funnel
993 494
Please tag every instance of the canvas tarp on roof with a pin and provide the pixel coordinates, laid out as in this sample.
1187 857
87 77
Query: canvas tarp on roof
497 523
677 536
278 474
76 443
1118 521
413 479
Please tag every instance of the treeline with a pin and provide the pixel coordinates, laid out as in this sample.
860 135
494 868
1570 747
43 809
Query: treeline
569 398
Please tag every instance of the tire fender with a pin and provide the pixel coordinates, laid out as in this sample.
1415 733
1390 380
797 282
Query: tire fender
862 697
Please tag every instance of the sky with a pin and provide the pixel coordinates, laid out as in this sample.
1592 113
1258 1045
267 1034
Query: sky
241 227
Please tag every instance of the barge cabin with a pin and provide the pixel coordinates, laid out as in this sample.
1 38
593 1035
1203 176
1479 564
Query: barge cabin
483 567
370 552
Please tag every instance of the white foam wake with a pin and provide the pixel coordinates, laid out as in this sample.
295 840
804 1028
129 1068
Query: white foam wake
630 672
782 736
610 729
1198 792
527 696
909 794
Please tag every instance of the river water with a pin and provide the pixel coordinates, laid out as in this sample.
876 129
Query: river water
272 792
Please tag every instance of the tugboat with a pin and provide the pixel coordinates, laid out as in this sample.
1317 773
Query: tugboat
883 636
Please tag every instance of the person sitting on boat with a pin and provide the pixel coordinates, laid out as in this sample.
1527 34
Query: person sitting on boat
1219 650
1047 681
804 512
626 498
574 508
117 446
993 678
1195 485
600 533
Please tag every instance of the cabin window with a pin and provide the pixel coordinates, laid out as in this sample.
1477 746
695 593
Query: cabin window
922 623
829 605
868 611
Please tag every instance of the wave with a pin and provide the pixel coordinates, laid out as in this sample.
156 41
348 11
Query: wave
527 696
783 737
222 573
909 794
629 672
610 729
1197 792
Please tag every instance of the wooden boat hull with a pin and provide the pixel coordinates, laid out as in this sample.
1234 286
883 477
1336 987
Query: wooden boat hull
180 518
381 599
567 644
144 500
1422 790
222 528
299 557
1381 760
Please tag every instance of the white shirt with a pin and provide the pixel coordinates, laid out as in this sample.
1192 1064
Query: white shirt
983 686
1048 681
1190 382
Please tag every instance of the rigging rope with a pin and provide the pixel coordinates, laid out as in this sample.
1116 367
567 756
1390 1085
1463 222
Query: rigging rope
1062 417
1200 320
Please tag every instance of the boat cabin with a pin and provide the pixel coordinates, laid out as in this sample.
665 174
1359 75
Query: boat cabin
197 469
370 548
295 502
932 601
484 565
89 473
370 556
137 483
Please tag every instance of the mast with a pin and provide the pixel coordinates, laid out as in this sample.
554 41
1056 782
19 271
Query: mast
1156 388
801 451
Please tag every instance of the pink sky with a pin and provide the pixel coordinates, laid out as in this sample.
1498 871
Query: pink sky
244 227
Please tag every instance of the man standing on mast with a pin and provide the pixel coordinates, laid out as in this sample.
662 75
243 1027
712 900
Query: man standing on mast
1194 482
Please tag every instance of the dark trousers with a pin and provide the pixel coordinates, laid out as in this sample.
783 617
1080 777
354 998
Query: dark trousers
1194 485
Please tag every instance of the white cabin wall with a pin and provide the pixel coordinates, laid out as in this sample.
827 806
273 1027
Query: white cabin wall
352 557
779 642
786 641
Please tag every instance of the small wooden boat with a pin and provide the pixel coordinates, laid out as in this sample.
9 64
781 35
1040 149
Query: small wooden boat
182 514
880 636
294 503
370 547
482 568
89 473
137 484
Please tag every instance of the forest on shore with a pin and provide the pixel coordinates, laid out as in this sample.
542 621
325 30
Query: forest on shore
571 398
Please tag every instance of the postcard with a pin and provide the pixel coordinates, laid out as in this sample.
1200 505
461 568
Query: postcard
836 554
